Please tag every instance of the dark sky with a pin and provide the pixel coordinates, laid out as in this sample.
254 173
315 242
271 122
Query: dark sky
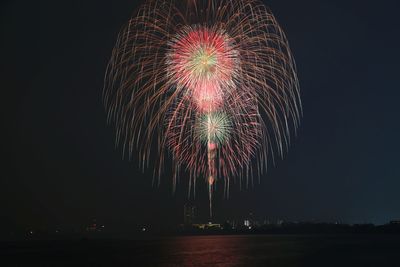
60 165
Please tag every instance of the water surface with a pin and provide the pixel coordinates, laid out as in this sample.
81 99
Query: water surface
223 251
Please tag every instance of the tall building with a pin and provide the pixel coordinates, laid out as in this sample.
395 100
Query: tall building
189 214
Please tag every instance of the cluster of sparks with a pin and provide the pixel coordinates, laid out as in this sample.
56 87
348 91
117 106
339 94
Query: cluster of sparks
209 84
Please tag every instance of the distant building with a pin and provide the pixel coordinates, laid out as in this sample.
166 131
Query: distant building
189 214
207 226
234 224
266 221
396 222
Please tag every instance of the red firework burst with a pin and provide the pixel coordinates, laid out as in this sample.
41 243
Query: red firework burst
203 61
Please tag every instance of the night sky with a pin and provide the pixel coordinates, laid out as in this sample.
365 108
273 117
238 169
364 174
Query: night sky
61 167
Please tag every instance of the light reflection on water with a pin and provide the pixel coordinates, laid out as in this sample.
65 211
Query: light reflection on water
207 251
233 251
278 250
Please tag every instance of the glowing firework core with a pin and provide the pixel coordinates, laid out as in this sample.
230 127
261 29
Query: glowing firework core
204 62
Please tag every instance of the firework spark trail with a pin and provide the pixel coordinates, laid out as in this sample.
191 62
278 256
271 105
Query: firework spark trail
209 84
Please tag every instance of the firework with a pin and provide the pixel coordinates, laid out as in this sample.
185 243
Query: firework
209 84
213 128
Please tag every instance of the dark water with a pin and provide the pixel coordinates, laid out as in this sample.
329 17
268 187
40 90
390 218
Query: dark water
272 250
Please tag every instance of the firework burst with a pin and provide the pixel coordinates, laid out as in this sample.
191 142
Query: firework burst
213 128
210 84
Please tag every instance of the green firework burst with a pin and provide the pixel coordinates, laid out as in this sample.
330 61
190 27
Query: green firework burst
214 127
